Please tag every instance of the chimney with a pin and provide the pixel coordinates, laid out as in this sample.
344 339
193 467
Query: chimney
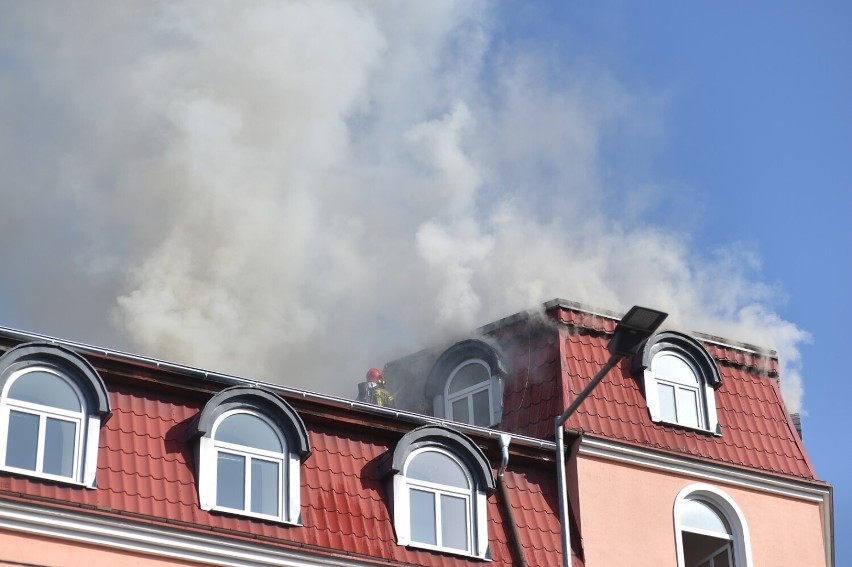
797 423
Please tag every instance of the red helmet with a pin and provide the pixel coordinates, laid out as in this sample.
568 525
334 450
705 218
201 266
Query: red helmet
375 375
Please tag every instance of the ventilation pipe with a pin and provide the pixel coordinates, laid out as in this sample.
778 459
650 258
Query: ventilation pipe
508 512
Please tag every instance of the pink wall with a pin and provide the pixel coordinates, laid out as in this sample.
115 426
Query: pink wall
35 550
627 518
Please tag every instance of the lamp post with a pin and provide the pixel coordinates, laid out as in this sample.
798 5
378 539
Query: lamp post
630 334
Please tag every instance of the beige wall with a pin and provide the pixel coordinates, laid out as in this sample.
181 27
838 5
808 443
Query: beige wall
24 549
627 518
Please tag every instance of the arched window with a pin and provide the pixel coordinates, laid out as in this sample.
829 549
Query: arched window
679 390
251 444
468 393
466 384
250 464
46 422
680 379
51 407
440 502
710 529
440 482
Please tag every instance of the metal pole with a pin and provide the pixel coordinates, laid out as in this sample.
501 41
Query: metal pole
562 487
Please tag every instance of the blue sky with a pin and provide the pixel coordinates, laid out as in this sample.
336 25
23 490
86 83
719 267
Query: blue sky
240 187
759 129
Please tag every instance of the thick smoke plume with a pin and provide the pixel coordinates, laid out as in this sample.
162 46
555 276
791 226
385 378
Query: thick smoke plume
298 191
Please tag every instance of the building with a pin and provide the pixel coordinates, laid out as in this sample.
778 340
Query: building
683 455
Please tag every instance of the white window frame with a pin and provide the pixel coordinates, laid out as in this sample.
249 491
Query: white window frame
705 395
288 472
438 490
87 429
476 508
468 393
739 540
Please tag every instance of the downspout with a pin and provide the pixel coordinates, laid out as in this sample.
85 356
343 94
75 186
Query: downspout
562 485
508 512
562 491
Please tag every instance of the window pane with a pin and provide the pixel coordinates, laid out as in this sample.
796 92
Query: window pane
264 487
724 558
666 394
249 430
674 368
687 407
460 411
231 481
59 441
45 388
433 466
422 517
22 442
453 522
468 375
700 515
481 408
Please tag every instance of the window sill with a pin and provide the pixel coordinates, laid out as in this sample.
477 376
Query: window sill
252 516
48 477
447 550
675 425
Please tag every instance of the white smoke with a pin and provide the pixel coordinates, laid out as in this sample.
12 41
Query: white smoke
299 191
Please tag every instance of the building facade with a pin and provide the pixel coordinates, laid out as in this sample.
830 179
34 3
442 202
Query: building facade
683 455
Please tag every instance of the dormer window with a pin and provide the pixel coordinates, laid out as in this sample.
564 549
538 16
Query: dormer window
679 390
466 384
250 447
680 381
52 405
439 500
250 464
440 482
468 393
46 423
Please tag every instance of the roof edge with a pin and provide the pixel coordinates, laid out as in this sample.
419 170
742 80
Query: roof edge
616 316
293 393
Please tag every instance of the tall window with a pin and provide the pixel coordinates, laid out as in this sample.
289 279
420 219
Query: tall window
52 404
440 482
680 381
711 531
468 393
439 494
251 445
707 537
250 465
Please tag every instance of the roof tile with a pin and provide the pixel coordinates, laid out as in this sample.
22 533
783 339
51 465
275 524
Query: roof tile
755 432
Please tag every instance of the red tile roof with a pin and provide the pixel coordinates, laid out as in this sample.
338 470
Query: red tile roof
146 470
756 431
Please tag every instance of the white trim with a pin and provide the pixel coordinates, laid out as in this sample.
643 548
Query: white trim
704 393
289 488
645 458
438 490
86 430
741 539
476 501
163 542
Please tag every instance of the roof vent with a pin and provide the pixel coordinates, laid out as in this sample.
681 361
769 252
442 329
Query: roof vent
797 423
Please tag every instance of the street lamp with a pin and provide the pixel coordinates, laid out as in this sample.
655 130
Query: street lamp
630 334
